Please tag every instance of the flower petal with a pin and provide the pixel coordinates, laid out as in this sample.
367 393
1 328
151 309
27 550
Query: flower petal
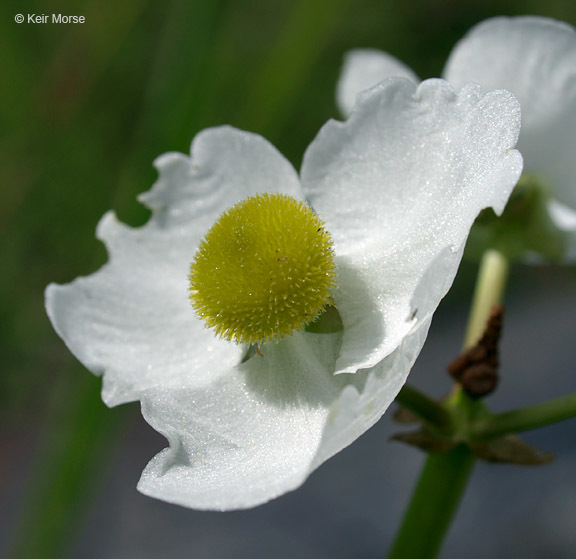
260 430
399 185
132 320
534 58
363 69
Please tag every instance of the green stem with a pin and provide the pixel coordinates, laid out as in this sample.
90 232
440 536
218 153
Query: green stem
445 475
526 418
427 409
489 289
434 504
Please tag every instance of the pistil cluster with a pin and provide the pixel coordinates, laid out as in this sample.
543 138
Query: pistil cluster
264 270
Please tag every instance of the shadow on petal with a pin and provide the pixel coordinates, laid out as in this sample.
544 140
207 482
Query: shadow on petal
297 371
362 319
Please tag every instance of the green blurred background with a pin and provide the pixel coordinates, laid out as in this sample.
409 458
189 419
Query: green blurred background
84 110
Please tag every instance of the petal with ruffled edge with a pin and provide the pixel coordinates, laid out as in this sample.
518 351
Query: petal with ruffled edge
132 320
260 430
399 185
364 68
534 58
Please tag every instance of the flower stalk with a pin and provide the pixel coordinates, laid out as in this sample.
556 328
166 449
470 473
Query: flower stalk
434 503
489 290
445 475
424 407
523 419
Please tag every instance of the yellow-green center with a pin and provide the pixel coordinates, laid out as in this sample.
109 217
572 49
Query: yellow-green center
264 270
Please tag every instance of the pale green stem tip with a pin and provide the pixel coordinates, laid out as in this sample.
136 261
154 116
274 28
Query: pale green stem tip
489 290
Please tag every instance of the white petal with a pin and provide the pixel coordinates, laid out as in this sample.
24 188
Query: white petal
535 58
399 184
363 69
132 320
260 430
226 166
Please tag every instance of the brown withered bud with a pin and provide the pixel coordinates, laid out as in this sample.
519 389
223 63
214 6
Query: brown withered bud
476 368
479 380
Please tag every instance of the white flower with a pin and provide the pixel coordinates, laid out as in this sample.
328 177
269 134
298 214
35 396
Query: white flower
535 59
398 186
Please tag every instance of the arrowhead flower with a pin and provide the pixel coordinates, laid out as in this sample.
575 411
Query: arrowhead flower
394 191
535 59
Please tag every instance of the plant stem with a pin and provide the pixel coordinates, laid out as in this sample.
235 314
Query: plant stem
488 293
424 407
445 475
526 418
434 504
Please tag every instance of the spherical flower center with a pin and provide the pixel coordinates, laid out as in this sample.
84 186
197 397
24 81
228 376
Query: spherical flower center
264 270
